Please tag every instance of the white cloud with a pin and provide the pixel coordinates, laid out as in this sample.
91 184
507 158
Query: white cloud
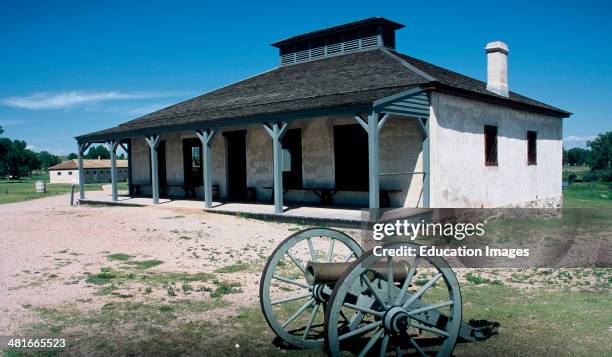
59 152
67 100
578 139
11 122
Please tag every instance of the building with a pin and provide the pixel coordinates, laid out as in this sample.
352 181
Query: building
95 171
346 119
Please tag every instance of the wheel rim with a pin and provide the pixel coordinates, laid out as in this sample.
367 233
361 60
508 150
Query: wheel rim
393 314
292 315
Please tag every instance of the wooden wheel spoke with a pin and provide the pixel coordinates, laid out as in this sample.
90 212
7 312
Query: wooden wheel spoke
350 255
296 262
365 310
311 320
429 328
383 346
371 342
332 241
389 278
297 313
417 347
289 281
423 309
313 254
420 292
360 330
374 292
293 298
409 277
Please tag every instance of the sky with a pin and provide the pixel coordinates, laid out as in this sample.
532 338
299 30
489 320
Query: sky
68 68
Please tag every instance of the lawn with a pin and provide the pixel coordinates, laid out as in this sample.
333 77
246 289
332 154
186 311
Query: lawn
587 195
12 191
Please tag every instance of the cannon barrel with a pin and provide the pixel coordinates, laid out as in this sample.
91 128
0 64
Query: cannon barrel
329 273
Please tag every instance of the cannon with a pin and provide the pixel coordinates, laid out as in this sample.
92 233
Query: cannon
319 289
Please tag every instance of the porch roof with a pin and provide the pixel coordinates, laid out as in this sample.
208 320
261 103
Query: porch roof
341 84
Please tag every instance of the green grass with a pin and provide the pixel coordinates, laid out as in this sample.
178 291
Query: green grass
533 323
587 194
145 264
24 189
118 256
234 268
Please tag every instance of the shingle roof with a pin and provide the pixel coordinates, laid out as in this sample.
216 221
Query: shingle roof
351 79
360 23
88 164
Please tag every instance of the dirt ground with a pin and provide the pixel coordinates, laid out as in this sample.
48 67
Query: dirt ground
55 258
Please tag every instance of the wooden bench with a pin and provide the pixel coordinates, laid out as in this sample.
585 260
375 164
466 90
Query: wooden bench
190 190
326 194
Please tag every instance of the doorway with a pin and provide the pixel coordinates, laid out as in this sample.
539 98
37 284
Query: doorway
292 142
192 162
235 143
351 157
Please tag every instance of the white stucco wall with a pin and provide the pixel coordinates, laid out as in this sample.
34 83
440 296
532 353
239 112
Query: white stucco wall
459 177
400 152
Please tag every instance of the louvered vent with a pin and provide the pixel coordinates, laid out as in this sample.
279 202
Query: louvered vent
363 35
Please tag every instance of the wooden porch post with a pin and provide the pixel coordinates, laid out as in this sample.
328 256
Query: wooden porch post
276 132
82 148
206 137
372 127
153 141
112 147
128 152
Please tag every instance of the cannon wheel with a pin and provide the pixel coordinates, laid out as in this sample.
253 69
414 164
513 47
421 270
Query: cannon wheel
285 329
395 316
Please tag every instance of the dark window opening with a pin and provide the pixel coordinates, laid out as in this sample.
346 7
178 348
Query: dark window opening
490 133
532 148
69 172
388 37
351 157
292 141
59 173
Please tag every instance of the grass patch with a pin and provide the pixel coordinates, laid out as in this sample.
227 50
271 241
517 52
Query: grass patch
587 194
105 276
145 264
233 268
118 256
225 288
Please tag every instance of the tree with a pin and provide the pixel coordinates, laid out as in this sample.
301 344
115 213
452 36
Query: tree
577 156
601 151
99 151
47 159
72 156
19 160
1 131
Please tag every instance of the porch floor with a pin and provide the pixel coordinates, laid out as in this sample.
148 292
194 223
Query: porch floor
344 216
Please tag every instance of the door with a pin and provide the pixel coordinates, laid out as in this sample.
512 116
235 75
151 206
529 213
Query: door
351 157
292 142
236 164
192 162
161 167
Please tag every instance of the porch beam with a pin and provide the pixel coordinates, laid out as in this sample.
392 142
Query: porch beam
112 148
82 148
276 131
207 136
153 141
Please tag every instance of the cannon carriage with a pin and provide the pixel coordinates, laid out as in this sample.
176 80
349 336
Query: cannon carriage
319 289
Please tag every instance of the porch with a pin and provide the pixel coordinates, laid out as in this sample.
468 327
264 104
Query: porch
305 214
358 156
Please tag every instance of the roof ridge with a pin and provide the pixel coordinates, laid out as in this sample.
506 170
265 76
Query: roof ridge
414 69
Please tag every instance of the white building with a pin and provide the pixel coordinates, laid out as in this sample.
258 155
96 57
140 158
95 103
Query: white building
363 124
96 171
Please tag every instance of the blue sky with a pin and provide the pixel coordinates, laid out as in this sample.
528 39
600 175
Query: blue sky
68 68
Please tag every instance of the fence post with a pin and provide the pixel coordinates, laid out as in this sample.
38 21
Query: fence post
72 195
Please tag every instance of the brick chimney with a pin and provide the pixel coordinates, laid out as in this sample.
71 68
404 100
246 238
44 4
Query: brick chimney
497 68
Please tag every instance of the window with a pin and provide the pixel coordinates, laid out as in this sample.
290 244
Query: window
69 173
490 133
532 148
87 172
59 173
94 172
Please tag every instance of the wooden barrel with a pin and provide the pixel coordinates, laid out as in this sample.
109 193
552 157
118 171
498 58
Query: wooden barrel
41 187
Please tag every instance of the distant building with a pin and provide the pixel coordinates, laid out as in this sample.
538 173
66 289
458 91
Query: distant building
96 171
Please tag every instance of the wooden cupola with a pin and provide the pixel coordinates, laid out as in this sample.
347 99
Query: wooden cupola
371 33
